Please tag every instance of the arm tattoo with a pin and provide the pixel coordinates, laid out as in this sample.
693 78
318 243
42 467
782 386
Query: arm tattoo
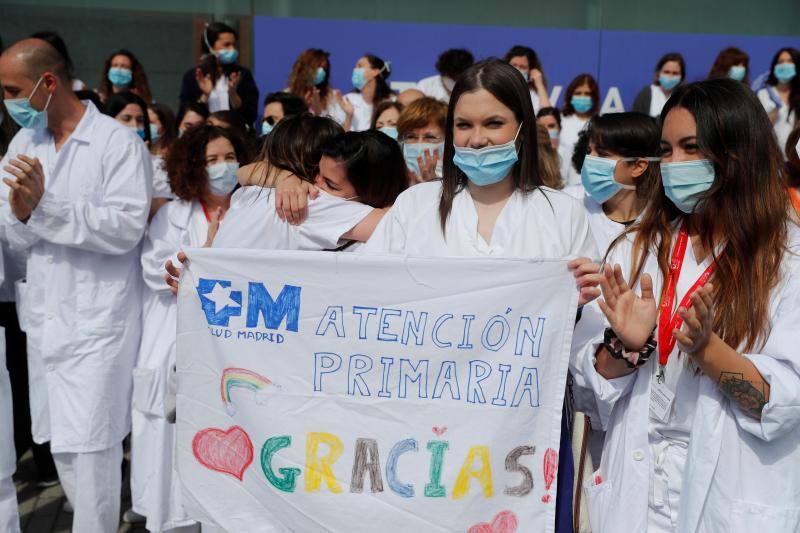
748 395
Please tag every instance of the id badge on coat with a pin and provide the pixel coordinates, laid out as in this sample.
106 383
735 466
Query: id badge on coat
661 396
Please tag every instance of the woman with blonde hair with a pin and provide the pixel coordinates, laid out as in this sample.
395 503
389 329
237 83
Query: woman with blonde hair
549 162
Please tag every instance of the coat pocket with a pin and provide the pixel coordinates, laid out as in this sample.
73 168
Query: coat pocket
598 500
746 517
148 392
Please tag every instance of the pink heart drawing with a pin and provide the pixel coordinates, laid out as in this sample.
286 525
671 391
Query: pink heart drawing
229 452
439 430
504 522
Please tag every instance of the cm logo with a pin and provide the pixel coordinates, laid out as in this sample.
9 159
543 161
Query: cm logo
220 302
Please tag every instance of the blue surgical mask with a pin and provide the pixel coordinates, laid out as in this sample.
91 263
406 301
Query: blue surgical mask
523 73
227 55
668 82
597 176
319 76
391 131
685 182
138 131
487 165
581 104
266 127
411 151
553 133
120 76
737 72
785 72
358 78
153 132
23 113
222 178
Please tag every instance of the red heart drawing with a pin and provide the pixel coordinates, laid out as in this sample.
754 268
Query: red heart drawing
229 452
439 430
504 522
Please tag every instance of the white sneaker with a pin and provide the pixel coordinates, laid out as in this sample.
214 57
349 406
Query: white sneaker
132 517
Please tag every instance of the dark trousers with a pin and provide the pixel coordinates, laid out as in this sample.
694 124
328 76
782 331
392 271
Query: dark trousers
17 363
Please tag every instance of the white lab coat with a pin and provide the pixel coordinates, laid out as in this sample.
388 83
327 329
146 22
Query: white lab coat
571 126
362 112
604 230
657 100
82 299
218 99
433 87
543 224
534 99
569 176
785 122
161 186
741 474
155 488
333 110
252 222
8 456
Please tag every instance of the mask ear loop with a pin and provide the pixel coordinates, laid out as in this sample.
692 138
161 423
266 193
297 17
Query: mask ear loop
36 88
516 135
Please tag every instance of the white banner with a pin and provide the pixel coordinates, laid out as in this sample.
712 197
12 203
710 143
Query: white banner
338 392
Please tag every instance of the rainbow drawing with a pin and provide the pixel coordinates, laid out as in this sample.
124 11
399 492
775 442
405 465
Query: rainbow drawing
241 378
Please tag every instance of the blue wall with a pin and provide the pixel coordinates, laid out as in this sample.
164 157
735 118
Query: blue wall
623 60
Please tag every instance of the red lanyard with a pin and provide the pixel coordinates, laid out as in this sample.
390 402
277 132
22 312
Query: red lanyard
667 321
205 211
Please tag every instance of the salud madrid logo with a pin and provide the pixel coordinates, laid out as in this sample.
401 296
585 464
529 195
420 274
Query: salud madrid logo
225 306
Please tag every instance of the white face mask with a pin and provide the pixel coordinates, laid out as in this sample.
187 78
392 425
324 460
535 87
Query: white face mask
222 178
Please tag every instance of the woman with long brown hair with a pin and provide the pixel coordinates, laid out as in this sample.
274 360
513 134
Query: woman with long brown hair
123 72
699 372
781 94
491 190
310 79
731 63
492 200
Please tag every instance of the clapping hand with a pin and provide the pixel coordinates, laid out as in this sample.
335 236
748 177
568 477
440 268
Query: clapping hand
698 322
27 190
632 317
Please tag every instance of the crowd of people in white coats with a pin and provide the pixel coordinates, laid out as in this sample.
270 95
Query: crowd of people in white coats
679 218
